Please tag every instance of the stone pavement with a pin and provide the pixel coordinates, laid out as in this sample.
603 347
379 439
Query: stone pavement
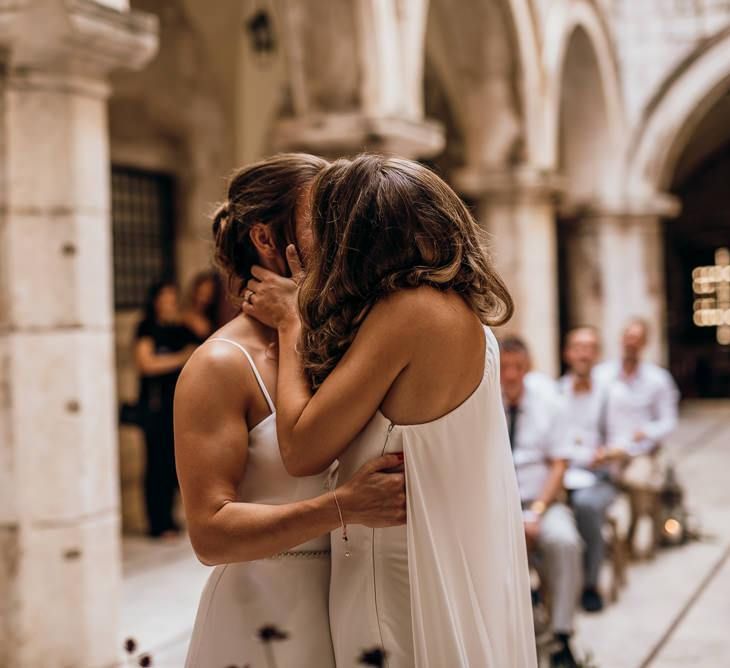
162 585
674 612
675 609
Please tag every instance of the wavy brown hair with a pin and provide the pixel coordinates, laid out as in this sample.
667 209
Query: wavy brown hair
267 192
379 225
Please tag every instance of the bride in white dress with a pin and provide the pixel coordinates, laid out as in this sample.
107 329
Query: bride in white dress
393 338
266 532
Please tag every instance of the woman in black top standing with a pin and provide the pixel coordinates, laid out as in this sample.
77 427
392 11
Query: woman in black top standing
163 345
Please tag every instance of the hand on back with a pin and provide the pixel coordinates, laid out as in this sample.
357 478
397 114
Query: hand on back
376 495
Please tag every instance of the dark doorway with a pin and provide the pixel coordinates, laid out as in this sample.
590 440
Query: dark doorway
698 362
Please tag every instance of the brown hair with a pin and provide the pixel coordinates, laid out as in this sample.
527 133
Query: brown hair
581 328
211 310
266 192
380 225
641 322
514 344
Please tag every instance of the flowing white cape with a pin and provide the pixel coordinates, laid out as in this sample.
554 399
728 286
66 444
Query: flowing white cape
469 579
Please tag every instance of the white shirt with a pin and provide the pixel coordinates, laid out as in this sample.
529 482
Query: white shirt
584 430
539 436
646 401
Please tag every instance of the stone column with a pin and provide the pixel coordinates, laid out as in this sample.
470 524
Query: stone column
632 279
59 508
517 209
581 276
355 70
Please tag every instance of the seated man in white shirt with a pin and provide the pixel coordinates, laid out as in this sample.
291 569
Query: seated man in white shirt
589 478
535 422
642 398
640 412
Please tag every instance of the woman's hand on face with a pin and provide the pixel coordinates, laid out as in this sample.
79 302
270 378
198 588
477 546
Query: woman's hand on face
271 298
376 494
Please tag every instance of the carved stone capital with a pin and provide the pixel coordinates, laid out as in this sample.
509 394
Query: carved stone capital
333 134
507 184
77 37
633 209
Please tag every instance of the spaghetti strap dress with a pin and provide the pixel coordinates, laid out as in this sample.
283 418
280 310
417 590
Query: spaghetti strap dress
288 591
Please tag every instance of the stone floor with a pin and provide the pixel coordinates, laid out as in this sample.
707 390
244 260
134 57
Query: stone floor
674 612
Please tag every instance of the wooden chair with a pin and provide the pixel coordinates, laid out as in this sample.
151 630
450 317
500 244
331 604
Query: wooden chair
644 503
642 482
617 553
544 639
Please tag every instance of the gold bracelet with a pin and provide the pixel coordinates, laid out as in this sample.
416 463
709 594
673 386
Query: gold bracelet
342 522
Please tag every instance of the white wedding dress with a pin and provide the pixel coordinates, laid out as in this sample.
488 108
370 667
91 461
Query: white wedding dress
289 591
451 589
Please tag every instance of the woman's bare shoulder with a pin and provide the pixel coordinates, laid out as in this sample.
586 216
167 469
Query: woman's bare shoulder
410 302
423 307
402 312
218 368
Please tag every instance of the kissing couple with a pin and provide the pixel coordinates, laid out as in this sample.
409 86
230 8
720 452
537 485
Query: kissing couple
341 444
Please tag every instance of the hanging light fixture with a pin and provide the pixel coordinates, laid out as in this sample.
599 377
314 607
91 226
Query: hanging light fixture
711 287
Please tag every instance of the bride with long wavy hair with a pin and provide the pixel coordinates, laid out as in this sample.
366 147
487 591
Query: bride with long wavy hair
386 347
355 265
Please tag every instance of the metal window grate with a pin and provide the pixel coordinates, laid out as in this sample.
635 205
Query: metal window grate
143 233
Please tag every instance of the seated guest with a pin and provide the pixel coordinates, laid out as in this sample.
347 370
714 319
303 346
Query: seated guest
641 411
534 418
641 399
588 478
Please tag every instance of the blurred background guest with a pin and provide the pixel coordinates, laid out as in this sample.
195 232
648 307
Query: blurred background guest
641 405
163 345
588 479
203 313
535 422
641 411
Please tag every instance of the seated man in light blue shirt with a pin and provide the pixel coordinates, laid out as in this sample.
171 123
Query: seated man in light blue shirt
642 404
535 417
641 410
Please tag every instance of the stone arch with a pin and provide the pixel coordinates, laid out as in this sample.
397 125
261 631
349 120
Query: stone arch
177 113
585 128
673 116
580 62
531 80
677 169
487 60
355 79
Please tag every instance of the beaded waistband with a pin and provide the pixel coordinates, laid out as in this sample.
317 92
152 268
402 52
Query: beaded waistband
302 554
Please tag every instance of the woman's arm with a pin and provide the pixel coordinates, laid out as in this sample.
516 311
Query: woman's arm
554 484
151 363
211 446
315 428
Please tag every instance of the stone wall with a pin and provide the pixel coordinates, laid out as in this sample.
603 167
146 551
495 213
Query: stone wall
59 505
174 117
654 36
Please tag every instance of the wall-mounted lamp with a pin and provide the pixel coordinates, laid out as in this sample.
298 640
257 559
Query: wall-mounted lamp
260 29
